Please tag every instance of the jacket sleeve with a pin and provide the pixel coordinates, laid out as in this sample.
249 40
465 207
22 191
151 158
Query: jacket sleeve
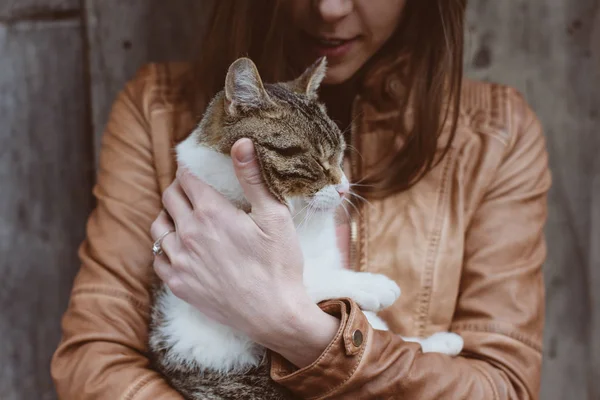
499 312
102 354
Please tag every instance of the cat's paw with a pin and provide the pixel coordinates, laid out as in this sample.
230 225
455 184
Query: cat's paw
374 292
443 342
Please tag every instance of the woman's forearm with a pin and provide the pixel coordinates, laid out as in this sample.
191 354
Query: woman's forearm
302 333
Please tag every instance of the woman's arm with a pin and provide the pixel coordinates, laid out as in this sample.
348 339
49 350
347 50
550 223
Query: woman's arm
241 270
499 312
102 352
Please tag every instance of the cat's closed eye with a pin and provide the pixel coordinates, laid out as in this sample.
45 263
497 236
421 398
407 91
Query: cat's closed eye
291 151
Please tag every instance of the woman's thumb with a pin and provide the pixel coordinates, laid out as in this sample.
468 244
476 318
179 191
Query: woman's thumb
250 177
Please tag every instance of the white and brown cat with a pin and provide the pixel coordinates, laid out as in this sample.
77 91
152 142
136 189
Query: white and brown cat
300 151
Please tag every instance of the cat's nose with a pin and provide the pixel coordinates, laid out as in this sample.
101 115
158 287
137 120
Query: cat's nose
343 187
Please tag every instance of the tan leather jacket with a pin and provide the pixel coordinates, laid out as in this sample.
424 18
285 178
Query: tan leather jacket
465 244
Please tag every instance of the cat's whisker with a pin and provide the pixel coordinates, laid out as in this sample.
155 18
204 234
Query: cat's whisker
349 127
307 216
352 204
361 180
346 211
305 220
359 185
358 196
312 214
298 213
354 149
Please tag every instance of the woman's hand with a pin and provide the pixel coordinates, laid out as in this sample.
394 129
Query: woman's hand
241 270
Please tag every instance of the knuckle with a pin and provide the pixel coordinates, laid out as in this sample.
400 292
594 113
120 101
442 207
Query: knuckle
177 262
210 214
187 235
200 213
207 212
157 268
176 286
278 216
253 177
167 195
183 174
154 228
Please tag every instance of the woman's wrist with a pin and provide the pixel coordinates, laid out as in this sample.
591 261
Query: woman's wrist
301 334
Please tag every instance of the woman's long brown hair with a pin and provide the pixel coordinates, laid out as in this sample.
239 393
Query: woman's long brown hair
430 33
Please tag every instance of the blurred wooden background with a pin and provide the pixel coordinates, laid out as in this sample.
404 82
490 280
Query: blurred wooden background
63 61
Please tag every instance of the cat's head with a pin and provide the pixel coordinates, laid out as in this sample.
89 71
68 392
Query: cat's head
300 149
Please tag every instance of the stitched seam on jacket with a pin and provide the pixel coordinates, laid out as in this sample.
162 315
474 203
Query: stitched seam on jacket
499 329
363 249
339 333
500 110
493 134
359 356
489 379
111 292
434 243
351 316
136 387
489 115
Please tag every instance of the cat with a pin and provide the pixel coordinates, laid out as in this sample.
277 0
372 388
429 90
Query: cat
300 151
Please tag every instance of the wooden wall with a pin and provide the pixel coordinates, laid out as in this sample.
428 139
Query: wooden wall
63 61
550 50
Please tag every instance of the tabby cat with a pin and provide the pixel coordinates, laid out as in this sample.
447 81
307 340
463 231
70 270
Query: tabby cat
300 152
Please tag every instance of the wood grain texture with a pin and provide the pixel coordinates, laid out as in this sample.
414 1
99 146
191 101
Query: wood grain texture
123 35
594 250
547 50
28 9
45 179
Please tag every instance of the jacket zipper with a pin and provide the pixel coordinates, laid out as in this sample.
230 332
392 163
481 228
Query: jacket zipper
354 213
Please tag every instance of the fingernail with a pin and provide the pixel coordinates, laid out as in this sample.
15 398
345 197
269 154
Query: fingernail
245 151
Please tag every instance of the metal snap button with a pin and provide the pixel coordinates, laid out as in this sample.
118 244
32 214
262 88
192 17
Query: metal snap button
357 338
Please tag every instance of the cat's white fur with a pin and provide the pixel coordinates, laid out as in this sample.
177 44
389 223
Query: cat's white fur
196 339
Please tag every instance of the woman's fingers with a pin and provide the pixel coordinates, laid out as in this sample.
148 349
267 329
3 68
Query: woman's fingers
176 203
162 267
200 194
161 224
163 231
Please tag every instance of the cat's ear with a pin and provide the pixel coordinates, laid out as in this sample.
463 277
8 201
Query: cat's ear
308 83
244 89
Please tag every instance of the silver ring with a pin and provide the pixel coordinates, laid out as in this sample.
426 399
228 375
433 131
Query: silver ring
156 247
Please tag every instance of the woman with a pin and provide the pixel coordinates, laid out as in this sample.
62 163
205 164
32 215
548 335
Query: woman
456 176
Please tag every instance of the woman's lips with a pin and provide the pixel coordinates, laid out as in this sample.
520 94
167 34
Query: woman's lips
331 47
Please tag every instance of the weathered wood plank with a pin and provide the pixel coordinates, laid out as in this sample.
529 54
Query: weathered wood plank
28 8
594 250
124 35
545 48
45 176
